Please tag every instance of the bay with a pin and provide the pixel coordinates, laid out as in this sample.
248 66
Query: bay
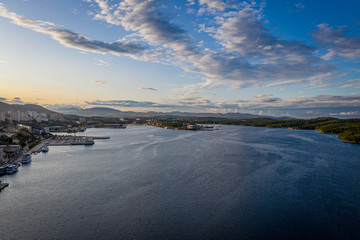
153 183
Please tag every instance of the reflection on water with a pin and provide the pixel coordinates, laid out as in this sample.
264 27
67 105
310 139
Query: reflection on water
152 183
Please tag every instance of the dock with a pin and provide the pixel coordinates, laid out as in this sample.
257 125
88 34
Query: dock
73 140
61 140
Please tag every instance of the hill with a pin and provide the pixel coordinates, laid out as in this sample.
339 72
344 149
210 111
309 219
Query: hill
110 112
23 108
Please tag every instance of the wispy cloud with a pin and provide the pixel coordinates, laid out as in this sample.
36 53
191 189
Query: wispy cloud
101 62
3 61
319 101
79 42
299 5
15 100
71 39
99 82
262 95
354 83
268 100
344 113
146 89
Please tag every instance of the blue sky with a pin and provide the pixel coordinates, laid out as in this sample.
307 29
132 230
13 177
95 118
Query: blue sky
280 58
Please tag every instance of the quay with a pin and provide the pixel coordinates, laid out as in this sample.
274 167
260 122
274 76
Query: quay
64 140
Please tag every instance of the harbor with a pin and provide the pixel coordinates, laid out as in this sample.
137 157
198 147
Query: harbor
73 140
10 166
64 140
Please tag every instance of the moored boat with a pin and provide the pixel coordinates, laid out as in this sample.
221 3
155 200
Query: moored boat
26 159
10 169
45 149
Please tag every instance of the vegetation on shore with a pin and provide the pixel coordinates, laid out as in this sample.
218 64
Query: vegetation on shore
347 129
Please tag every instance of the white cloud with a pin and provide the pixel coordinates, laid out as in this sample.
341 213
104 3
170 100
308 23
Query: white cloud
101 62
348 113
337 42
21 21
344 113
252 54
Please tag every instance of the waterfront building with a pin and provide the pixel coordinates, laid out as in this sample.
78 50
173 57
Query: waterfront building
15 116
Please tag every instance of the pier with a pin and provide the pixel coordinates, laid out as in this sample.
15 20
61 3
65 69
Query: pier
73 140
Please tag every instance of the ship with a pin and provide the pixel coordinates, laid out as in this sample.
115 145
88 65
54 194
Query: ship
26 159
45 149
10 169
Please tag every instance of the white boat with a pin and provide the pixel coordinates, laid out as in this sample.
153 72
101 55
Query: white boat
45 149
26 159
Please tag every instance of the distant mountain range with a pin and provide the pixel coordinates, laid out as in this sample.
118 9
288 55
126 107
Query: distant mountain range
110 112
23 108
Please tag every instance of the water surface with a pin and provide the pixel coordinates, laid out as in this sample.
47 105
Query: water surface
152 183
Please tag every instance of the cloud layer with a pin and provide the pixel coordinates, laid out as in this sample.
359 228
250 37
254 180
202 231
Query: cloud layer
248 55
245 52
304 107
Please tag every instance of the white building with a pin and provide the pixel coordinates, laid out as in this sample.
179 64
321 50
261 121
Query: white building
2 116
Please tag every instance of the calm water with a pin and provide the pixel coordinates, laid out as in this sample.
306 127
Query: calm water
153 183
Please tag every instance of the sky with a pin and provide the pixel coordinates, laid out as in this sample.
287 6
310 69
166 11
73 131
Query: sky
296 58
